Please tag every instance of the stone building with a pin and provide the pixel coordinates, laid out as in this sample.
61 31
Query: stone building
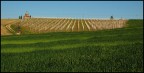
26 16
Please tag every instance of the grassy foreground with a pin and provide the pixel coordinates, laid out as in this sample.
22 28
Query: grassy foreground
116 50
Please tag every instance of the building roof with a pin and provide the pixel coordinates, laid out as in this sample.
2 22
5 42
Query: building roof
26 12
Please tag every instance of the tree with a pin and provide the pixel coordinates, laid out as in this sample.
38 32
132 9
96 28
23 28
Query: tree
18 28
19 17
111 17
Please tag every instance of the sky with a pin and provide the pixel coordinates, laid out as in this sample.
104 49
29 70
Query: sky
73 9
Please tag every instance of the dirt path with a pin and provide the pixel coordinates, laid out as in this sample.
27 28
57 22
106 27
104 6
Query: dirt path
6 26
4 31
9 28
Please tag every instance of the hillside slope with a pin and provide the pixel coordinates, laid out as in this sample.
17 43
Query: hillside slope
5 26
44 25
114 50
5 31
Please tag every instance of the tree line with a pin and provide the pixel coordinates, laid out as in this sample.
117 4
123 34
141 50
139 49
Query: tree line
20 17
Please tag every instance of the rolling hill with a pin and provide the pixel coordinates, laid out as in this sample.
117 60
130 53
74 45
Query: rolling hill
45 25
113 50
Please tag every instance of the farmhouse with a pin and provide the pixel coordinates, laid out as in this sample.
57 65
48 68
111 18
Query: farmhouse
26 16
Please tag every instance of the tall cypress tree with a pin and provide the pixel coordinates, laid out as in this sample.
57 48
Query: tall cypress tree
111 17
19 17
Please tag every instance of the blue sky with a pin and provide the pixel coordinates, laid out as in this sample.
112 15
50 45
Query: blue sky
73 9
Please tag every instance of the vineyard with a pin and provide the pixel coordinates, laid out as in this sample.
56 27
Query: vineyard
43 25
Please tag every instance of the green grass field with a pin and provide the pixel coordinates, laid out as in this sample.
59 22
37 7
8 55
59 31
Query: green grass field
115 50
